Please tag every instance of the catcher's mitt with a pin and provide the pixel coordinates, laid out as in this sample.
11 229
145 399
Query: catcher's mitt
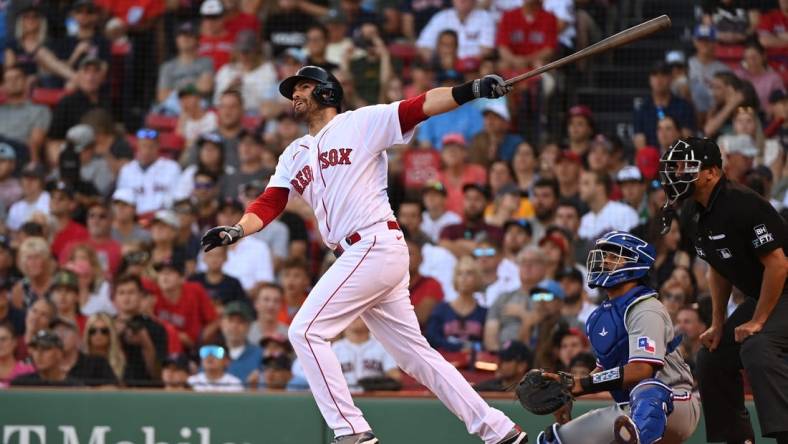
541 395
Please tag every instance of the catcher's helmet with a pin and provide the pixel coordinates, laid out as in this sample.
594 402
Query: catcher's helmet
328 91
618 257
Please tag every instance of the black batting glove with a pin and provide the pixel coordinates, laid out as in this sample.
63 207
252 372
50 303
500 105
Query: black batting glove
491 86
221 236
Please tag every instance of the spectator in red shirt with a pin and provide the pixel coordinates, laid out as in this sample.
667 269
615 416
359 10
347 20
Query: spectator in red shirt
295 283
527 36
236 20
186 306
461 239
773 32
425 292
99 227
216 42
456 172
62 207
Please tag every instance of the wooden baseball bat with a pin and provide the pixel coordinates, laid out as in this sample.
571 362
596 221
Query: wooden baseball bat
624 37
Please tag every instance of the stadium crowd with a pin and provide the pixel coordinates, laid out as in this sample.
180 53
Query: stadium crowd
128 128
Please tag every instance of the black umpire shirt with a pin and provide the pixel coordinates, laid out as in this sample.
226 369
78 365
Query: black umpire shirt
734 231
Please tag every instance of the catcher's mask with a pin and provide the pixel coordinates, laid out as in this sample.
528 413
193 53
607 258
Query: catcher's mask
618 257
682 163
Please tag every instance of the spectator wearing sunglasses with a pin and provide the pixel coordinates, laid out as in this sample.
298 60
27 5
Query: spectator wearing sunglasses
517 234
544 319
488 258
46 349
149 176
213 376
125 228
94 371
101 339
143 339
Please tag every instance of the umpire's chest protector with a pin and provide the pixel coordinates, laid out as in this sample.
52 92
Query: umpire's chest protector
607 330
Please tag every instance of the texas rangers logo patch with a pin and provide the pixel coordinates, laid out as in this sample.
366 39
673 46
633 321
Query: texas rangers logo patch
647 344
762 236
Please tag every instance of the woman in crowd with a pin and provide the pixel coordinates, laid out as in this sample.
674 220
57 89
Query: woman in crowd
267 301
37 266
248 72
756 70
459 324
10 367
571 344
747 122
94 289
210 158
524 165
28 47
101 339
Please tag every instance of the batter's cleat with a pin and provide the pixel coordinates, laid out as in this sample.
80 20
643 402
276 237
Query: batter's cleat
358 438
625 431
515 436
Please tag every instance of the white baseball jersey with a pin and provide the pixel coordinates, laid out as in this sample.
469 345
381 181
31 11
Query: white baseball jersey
153 186
475 33
359 361
341 171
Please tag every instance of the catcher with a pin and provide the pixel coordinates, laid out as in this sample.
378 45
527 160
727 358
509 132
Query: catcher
637 361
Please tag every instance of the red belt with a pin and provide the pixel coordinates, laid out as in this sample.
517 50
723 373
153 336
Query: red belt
355 237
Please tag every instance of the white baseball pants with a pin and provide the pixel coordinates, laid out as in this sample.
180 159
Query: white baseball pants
370 280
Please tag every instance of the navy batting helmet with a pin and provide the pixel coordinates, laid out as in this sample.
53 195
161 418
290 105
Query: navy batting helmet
328 91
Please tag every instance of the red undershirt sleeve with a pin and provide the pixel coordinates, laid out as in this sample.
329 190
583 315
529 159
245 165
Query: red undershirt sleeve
270 204
411 112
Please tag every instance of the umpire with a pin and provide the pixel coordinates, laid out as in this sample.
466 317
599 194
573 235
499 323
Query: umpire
743 239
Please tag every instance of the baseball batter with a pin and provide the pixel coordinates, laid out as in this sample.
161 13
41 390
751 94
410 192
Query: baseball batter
637 362
340 169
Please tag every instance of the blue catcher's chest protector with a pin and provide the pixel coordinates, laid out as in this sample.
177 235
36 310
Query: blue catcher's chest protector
607 332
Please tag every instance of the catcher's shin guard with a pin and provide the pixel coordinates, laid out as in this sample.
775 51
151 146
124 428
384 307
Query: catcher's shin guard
650 403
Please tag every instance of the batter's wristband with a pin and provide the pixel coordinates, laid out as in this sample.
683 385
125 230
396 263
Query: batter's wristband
603 381
464 93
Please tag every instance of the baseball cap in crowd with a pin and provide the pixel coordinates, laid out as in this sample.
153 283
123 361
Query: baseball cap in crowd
91 61
449 75
278 361
184 206
333 17
581 110
278 340
81 136
741 144
629 174
647 161
453 138
187 28
210 137
45 339
254 187
174 264
509 188
29 5
167 217
124 195
88 4
246 42
660 67
705 32
233 203
62 187
497 107
7 152
524 224
211 8
515 351
556 240
177 360
434 186
675 58
777 95
478 187
569 273
569 156
548 286
34 171
237 308
188 90
66 279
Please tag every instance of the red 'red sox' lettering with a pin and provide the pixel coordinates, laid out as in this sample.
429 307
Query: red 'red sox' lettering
335 157
327 159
